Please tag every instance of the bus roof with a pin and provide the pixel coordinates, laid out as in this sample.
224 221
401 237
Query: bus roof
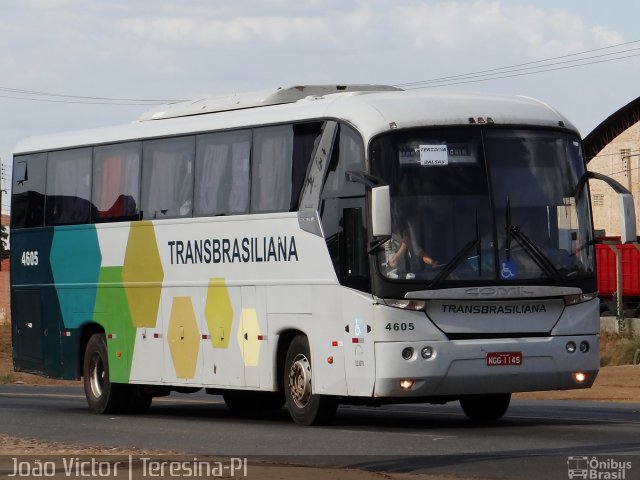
371 109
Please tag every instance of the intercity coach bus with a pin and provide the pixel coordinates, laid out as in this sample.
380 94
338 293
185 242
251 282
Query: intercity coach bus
311 245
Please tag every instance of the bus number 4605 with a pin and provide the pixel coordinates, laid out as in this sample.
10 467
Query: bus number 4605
30 259
397 327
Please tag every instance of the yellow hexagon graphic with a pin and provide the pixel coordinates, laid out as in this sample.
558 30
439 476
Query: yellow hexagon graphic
142 274
183 337
218 312
248 334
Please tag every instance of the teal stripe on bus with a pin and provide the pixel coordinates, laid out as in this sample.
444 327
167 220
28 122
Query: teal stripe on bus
75 263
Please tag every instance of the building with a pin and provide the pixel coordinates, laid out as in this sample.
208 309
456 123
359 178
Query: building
613 149
620 160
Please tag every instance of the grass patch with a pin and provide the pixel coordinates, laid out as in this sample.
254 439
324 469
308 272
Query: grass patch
617 350
6 378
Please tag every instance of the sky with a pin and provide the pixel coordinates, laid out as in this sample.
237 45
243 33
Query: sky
144 51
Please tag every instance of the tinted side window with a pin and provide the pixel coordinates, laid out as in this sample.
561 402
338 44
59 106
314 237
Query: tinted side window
167 178
222 173
69 187
28 190
347 155
116 182
271 169
305 139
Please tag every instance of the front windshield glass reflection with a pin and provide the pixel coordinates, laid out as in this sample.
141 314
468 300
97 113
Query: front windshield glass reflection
535 175
449 226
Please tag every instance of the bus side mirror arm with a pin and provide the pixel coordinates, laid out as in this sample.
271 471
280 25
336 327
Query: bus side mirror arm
369 181
626 207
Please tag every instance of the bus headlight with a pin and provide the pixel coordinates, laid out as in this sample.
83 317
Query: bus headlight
407 353
417 305
427 352
579 298
571 347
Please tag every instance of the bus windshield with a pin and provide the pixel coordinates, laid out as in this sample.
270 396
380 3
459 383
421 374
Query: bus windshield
484 204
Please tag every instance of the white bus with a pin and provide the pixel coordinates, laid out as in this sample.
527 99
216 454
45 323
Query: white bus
313 245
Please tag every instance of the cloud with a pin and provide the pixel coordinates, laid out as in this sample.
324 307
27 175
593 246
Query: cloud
167 49
432 28
176 49
523 29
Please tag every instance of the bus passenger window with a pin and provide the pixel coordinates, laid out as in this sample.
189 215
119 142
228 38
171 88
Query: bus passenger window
27 193
271 169
222 173
116 182
69 187
167 178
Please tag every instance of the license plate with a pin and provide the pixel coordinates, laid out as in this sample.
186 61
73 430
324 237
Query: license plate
504 359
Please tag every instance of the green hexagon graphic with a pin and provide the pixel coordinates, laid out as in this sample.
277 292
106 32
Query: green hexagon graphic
142 274
218 312
248 337
183 337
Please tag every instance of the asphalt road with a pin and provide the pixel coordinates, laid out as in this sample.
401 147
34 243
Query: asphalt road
534 440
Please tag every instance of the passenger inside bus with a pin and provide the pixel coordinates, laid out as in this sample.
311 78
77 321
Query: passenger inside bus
408 256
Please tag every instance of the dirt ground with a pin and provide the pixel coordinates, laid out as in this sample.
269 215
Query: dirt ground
613 384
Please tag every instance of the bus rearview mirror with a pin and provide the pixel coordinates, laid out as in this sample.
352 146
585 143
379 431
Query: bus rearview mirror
380 212
627 218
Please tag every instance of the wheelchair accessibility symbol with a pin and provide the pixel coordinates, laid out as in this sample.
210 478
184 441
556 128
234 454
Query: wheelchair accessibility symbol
508 270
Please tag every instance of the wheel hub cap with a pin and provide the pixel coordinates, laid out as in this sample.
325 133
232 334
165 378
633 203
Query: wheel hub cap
96 375
300 381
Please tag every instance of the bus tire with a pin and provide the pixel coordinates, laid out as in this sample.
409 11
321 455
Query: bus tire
102 395
484 408
305 407
247 402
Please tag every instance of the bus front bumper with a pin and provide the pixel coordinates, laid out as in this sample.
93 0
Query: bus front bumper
462 367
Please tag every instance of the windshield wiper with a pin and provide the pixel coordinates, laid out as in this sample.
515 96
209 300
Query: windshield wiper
536 254
507 242
531 249
459 257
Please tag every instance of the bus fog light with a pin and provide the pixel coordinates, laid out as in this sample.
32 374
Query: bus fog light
406 384
579 377
407 353
584 347
427 353
571 347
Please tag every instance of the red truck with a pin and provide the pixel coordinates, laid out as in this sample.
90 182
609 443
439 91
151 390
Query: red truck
607 276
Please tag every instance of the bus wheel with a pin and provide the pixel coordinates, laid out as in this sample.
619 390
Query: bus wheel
246 402
305 407
102 395
485 407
